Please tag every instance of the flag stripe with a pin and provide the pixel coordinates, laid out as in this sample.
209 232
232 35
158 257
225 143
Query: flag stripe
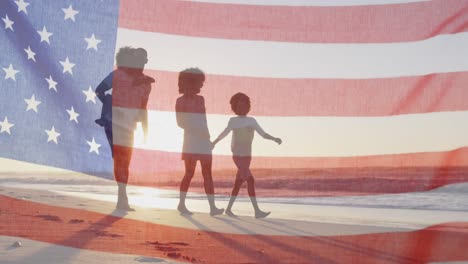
298 177
158 161
303 177
444 53
304 3
315 136
338 24
110 230
320 97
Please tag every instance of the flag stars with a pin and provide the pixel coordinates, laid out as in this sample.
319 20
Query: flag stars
70 13
52 135
73 115
67 66
45 35
22 6
30 53
52 83
10 73
93 146
5 126
8 23
92 42
90 95
32 103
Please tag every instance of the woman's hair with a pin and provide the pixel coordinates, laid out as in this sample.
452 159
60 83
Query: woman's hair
188 76
240 97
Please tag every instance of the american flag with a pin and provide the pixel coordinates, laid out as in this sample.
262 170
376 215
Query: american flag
369 98
51 63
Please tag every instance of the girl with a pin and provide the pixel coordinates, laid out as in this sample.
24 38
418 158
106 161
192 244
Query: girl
241 146
191 117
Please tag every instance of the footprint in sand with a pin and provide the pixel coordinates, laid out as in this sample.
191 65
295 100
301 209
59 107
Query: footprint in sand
171 251
166 247
50 218
173 255
191 259
76 221
107 234
179 243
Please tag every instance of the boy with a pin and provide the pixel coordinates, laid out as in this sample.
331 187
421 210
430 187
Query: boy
243 128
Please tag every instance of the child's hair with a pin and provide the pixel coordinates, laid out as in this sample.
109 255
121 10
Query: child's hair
190 75
141 56
124 56
240 97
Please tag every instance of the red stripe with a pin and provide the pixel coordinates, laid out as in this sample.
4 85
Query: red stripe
58 225
321 97
349 24
295 176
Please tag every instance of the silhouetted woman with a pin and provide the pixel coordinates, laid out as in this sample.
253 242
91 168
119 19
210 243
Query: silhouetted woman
122 110
191 117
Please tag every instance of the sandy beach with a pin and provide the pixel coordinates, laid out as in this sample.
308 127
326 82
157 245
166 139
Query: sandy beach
71 218
38 252
128 128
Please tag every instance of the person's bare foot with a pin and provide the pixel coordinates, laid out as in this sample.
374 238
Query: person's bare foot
183 210
261 214
125 208
216 211
230 213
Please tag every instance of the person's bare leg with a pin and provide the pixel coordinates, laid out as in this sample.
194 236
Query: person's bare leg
251 190
234 193
209 187
121 172
122 200
184 185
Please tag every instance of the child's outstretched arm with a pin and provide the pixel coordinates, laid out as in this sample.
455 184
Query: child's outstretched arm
265 135
275 139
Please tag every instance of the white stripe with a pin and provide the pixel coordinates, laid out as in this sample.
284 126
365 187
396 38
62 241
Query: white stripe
444 53
325 136
309 2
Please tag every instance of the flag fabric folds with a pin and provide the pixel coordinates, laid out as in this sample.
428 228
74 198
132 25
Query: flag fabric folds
56 59
368 97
